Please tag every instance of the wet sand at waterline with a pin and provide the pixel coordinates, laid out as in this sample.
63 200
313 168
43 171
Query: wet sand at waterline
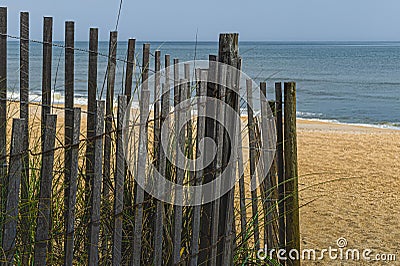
350 183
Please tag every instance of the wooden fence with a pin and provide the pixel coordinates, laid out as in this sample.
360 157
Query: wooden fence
104 217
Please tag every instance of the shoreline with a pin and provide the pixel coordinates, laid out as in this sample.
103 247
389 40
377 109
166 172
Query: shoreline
82 103
329 125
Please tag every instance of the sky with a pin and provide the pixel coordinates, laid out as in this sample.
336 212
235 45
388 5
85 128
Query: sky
180 20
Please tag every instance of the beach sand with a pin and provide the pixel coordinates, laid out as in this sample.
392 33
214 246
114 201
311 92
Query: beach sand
349 181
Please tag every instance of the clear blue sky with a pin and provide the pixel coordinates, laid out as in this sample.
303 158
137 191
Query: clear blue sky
262 20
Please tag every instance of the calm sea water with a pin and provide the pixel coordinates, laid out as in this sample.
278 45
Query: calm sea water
356 82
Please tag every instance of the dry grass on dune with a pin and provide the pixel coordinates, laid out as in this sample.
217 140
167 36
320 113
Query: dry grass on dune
349 181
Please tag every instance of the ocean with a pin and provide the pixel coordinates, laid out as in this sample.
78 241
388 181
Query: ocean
347 82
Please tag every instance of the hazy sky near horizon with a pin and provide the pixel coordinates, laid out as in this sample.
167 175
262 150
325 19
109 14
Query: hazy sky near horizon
258 20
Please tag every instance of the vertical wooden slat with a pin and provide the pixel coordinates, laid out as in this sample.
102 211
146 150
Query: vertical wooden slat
273 177
45 194
92 85
46 67
107 183
222 84
69 76
95 188
159 155
175 103
91 114
209 170
148 205
71 171
14 182
201 93
176 81
252 145
24 76
3 107
112 63
119 184
266 157
47 71
280 166
242 191
129 68
156 106
189 95
141 199
141 167
92 78
24 114
108 138
229 54
180 173
69 80
291 172
189 127
129 184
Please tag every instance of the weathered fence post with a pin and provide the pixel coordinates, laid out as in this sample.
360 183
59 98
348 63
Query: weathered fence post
267 156
157 106
141 172
176 81
91 108
222 85
69 80
209 170
13 189
71 174
91 120
252 145
129 183
139 194
180 112
148 200
3 108
291 172
229 54
189 127
159 155
24 114
46 68
42 235
95 188
129 68
69 76
119 184
112 53
242 192
108 139
280 166
201 93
